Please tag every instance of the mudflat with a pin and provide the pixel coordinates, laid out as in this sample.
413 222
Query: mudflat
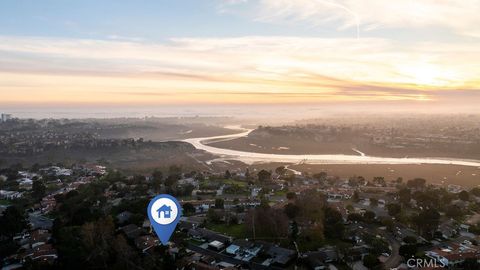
435 174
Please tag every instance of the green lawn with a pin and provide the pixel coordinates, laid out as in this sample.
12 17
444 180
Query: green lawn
195 242
231 181
282 193
5 202
236 231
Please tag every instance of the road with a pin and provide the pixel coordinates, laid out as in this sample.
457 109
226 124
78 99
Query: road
395 258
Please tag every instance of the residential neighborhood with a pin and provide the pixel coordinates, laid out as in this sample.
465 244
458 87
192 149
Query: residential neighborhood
237 219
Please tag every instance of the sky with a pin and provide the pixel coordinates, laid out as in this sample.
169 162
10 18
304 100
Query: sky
87 53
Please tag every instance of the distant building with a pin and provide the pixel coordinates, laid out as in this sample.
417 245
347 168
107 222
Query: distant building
6 117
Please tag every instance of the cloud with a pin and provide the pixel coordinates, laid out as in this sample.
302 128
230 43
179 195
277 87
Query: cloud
247 69
458 16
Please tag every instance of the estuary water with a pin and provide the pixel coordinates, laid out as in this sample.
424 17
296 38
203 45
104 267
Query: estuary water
252 157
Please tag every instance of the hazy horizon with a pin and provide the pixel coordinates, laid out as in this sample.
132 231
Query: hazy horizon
285 112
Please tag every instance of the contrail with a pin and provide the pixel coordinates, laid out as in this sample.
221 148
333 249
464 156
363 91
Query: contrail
335 4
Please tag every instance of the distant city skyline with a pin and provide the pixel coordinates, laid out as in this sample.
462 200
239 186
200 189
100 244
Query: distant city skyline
239 52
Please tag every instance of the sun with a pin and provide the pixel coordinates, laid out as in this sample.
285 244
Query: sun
423 74
426 75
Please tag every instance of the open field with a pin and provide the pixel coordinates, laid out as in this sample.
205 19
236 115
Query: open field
437 174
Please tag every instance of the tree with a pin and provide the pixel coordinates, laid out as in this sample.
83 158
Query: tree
97 238
228 174
405 196
427 221
475 191
311 204
291 195
453 211
355 217
188 208
35 167
213 216
293 229
379 180
470 264
291 210
232 219
369 216
280 170
371 262
219 203
267 222
426 199
394 209
264 176
417 183
71 248
410 239
38 189
463 195
157 180
333 224
12 221
138 179
353 181
374 202
408 251
247 174
174 174
356 196
126 257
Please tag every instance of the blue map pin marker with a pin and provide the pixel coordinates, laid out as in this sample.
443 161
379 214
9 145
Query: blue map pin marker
164 213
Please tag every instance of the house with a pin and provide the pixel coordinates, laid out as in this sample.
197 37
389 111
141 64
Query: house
216 245
39 237
123 217
166 210
279 256
10 195
184 225
146 242
357 253
232 249
225 265
147 226
448 229
244 250
44 253
132 231
319 259
208 235
48 204
25 183
464 227
454 253
37 221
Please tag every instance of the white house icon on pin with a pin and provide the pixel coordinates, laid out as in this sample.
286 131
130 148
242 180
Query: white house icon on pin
166 210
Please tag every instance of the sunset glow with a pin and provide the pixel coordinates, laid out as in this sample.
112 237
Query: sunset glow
433 57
